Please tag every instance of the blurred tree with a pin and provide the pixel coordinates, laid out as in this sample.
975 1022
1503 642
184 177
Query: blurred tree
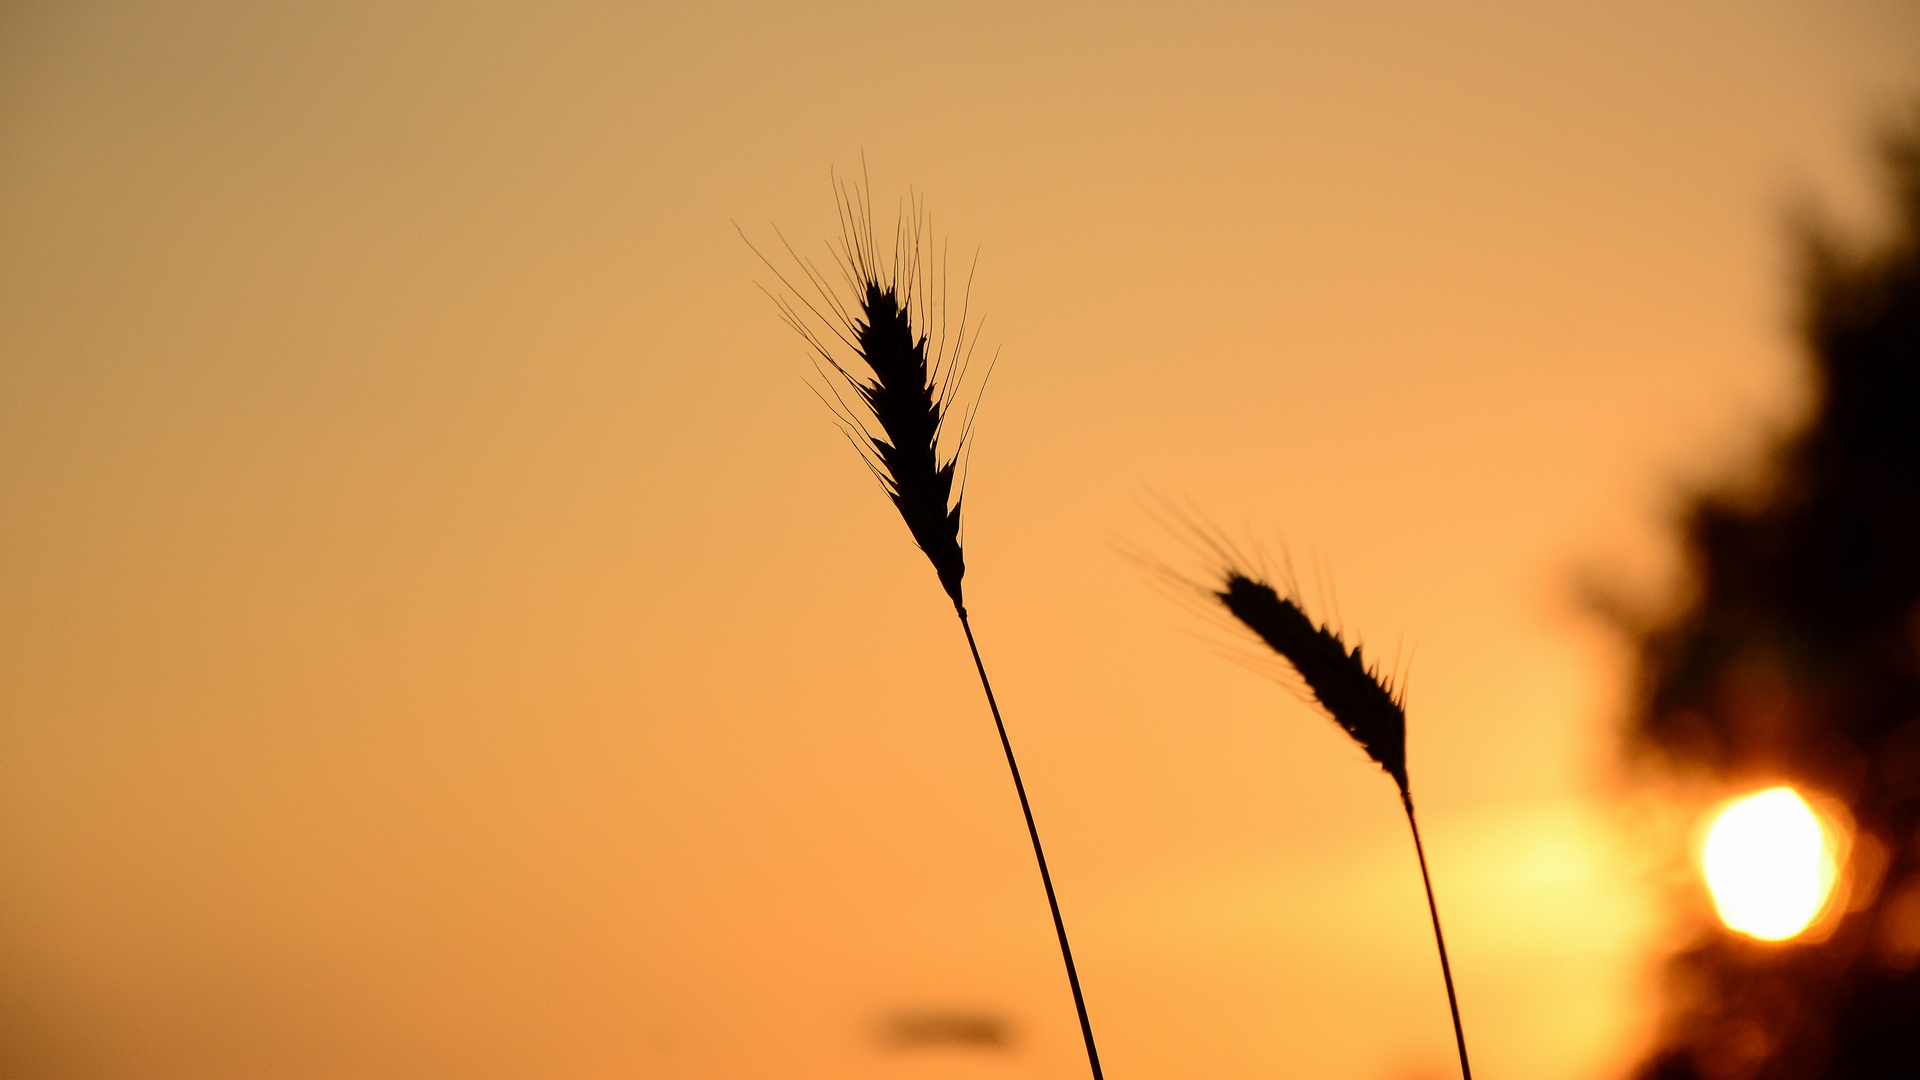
1797 656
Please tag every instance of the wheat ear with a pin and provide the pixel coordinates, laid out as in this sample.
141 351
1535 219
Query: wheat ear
888 324
1359 700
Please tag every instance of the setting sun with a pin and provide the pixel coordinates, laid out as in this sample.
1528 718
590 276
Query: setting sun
1770 864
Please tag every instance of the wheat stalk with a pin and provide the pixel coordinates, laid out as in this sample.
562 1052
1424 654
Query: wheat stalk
1353 692
897 325
1359 699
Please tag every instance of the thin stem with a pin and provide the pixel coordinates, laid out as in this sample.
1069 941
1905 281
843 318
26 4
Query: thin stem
1446 971
1059 927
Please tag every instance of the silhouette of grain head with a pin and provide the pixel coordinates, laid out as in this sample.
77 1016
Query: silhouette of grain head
905 404
895 321
1350 690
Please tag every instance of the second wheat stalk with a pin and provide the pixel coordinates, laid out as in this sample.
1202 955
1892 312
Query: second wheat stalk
1358 699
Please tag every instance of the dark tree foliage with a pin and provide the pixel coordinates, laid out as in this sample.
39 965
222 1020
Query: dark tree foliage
1798 658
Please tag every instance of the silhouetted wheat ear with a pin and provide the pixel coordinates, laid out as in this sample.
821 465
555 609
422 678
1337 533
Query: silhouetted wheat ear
1360 701
895 321
1350 691
907 407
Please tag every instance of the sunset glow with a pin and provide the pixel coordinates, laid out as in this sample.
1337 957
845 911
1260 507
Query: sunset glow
1770 864
449 633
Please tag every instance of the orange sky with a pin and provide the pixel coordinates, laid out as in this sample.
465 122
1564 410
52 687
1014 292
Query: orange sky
444 637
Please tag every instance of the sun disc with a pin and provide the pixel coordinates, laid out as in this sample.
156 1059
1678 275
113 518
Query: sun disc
1770 864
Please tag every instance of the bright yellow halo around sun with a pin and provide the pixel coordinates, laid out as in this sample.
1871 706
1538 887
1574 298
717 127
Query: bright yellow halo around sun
1770 863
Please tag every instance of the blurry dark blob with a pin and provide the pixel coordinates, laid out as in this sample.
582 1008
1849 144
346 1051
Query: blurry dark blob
1796 656
923 1030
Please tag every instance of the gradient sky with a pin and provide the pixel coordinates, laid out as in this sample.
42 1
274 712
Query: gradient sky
444 637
